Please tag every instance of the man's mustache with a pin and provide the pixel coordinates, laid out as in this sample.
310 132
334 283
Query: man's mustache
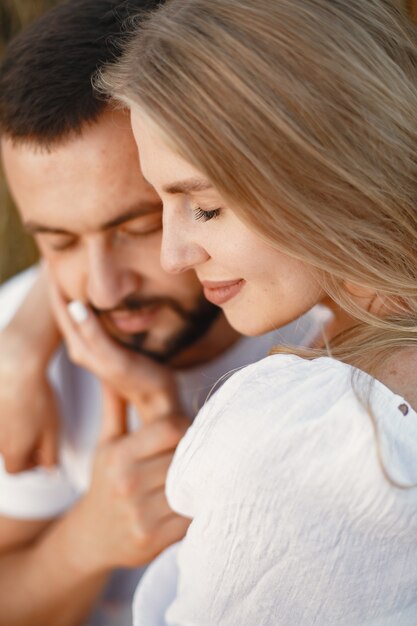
136 304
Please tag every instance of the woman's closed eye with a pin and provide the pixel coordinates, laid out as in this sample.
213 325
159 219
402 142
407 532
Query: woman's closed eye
205 215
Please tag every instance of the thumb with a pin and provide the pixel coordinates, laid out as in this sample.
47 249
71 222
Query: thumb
113 417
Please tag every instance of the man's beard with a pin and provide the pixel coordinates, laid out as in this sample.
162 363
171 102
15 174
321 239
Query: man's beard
196 324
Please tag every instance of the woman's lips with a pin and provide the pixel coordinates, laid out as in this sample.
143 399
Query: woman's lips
132 322
221 292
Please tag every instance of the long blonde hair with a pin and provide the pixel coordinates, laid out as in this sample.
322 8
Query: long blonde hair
303 114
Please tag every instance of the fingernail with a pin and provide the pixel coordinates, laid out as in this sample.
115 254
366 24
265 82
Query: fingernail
78 311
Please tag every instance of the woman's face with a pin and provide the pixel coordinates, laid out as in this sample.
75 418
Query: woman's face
258 287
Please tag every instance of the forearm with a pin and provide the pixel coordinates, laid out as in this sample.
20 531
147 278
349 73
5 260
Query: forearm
33 332
48 584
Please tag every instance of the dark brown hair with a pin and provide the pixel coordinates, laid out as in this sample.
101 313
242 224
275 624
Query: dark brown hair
45 77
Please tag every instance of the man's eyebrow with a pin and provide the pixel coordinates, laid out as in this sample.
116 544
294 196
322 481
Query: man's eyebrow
188 186
132 214
36 228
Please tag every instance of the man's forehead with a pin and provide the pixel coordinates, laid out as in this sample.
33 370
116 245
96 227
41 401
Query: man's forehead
109 134
93 179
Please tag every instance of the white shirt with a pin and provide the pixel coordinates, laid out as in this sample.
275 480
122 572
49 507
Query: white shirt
294 522
40 494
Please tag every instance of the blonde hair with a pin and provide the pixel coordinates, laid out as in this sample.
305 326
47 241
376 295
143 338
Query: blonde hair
303 114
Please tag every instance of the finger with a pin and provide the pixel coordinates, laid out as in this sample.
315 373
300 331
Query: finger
107 359
16 463
177 524
152 509
114 417
149 475
153 439
59 304
130 374
48 450
67 326
155 471
170 529
158 536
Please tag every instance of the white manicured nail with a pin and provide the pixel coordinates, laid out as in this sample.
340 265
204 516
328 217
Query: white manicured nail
78 311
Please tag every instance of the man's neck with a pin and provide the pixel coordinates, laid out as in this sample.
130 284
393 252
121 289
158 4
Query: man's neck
217 340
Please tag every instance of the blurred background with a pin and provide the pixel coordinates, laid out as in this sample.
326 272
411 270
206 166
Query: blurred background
17 250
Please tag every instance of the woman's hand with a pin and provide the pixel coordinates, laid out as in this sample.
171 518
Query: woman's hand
147 385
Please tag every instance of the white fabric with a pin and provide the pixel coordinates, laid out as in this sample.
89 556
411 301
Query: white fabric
40 494
293 519
157 589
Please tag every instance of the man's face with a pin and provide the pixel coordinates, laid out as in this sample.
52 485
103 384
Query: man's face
98 224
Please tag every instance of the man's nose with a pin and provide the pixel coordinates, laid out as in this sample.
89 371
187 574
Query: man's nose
180 251
109 281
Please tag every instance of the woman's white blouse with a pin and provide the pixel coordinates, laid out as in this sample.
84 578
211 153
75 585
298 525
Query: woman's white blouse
294 522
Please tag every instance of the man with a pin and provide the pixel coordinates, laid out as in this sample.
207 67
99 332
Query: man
73 169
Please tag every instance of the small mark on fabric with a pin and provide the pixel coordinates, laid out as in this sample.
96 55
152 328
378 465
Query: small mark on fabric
403 408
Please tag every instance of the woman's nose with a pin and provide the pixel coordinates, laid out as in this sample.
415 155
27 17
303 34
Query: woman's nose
180 251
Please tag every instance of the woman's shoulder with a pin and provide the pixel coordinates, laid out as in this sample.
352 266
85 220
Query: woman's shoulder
268 394
287 491
280 369
289 381
276 378
274 398
285 415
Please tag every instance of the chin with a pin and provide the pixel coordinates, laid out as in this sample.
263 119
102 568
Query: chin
245 325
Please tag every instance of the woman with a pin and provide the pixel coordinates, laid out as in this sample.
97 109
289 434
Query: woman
281 136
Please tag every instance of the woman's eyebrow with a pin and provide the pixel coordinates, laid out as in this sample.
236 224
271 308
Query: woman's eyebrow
189 185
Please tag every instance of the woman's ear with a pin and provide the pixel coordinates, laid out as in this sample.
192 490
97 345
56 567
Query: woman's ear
365 297
373 302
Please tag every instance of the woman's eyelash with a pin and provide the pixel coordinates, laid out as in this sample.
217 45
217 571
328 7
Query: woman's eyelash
205 216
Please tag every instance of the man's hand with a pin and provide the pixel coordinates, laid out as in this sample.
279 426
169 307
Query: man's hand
125 520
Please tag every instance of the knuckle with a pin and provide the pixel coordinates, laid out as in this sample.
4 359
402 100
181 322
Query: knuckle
142 535
109 458
126 486
114 457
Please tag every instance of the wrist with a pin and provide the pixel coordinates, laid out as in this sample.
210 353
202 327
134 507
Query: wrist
78 542
60 544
